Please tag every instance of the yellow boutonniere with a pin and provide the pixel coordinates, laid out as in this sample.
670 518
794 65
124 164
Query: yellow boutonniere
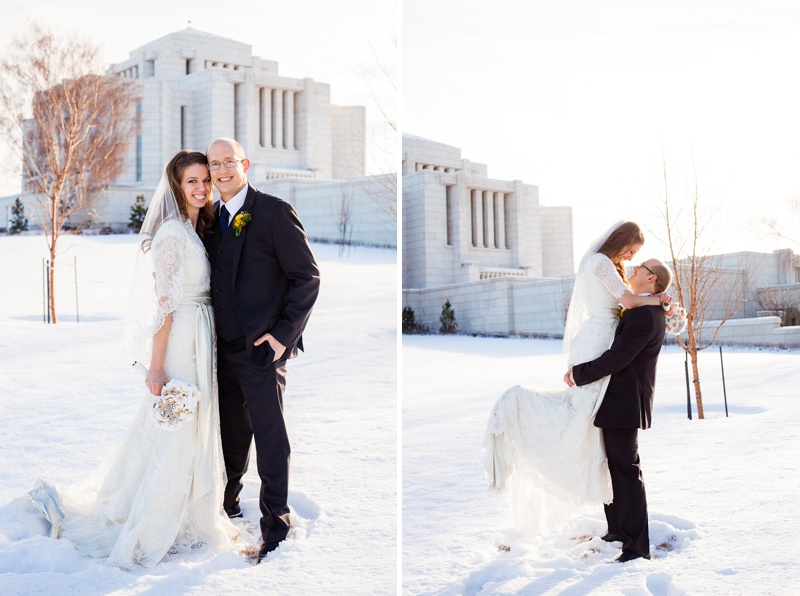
621 312
240 221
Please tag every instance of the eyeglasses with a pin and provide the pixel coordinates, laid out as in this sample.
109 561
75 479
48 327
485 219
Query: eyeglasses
648 268
229 163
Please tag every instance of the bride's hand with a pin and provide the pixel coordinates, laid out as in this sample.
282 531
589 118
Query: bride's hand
155 381
667 298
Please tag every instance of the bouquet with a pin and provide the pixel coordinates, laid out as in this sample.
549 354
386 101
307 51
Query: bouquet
175 406
676 317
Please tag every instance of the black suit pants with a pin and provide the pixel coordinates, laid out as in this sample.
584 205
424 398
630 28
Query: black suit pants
251 406
627 514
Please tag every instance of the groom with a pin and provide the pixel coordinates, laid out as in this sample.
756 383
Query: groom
264 282
628 406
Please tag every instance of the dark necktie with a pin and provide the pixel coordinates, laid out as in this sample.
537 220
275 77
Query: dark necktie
224 218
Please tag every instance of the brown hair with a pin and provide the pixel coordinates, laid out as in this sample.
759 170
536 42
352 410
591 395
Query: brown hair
619 241
179 162
663 277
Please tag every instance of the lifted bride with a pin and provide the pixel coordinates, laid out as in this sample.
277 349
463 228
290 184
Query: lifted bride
546 437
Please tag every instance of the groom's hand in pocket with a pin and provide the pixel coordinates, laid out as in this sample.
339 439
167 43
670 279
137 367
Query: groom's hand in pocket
276 346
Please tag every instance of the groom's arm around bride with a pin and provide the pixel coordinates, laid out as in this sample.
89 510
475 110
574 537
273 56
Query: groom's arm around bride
631 362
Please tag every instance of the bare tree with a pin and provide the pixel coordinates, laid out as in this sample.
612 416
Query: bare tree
783 229
782 301
344 224
70 126
563 298
381 81
710 292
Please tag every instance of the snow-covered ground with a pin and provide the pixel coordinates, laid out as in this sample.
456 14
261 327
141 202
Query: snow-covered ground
723 493
67 394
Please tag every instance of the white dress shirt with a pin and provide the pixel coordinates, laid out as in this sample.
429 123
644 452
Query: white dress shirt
235 202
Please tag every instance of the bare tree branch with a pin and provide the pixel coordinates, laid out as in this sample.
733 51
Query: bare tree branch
382 189
698 277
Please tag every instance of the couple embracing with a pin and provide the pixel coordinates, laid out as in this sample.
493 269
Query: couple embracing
569 448
222 293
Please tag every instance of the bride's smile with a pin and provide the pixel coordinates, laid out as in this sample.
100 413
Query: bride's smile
628 254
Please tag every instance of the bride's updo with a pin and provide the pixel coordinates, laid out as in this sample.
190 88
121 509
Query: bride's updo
620 240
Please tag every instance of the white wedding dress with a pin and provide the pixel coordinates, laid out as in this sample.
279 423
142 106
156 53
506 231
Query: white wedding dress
160 493
547 437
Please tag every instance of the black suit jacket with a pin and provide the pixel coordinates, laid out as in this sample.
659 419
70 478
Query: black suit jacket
267 276
631 362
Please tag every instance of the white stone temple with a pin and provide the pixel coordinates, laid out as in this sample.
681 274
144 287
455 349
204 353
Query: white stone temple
504 261
193 87
460 225
476 241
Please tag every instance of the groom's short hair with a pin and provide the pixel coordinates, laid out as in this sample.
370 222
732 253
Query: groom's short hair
663 277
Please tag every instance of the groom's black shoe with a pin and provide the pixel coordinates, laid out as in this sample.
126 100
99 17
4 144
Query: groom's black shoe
611 537
629 555
267 548
234 511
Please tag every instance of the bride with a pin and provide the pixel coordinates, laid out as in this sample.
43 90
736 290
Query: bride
546 436
160 493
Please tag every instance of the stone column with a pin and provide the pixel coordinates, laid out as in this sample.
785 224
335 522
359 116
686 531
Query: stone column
277 118
477 218
288 119
462 238
266 117
488 214
450 213
518 239
500 219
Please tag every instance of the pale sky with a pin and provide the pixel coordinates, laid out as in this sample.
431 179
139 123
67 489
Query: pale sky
341 43
583 98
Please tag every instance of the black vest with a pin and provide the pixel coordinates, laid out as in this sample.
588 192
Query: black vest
221 258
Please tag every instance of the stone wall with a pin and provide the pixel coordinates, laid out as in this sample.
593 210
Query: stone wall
760 331
509 306
322 205
319 204
499 306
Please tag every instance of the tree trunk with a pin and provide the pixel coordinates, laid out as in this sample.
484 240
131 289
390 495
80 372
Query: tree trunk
52 278
691 348
697 391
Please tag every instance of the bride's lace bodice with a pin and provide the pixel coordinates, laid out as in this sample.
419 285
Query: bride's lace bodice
172 266
180 266
604 286
593 308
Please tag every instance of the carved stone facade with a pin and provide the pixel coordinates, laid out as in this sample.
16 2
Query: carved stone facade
462 228
460 225
193 87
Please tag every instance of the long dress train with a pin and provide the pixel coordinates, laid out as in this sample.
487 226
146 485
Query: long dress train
541 445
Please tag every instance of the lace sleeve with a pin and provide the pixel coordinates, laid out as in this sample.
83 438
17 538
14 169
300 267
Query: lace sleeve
168 270
605 271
